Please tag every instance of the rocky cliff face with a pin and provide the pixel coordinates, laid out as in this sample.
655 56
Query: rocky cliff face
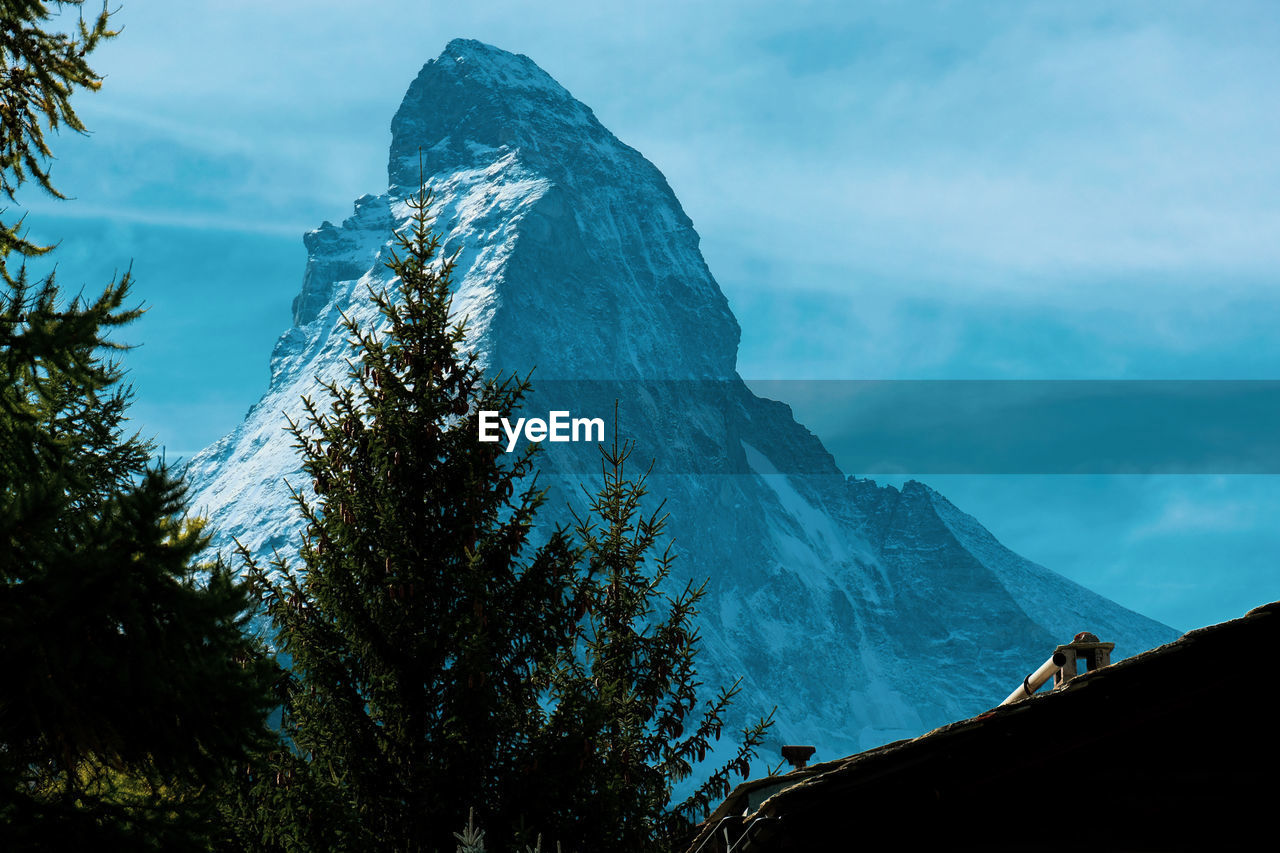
865 613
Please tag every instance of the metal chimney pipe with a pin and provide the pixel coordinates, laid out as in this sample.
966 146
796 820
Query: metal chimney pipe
1032 682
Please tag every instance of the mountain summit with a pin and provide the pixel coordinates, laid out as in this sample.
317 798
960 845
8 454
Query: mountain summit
594 206
864 612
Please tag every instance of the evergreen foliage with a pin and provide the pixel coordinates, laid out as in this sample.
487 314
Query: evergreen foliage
471 839
627 696
421 630
39 71
128 690
439 661
129 687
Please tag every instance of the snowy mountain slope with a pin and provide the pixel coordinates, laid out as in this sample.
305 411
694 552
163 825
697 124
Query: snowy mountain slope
866 613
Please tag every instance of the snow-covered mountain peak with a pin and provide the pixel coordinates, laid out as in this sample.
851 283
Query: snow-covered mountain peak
603 244
476 101
850 605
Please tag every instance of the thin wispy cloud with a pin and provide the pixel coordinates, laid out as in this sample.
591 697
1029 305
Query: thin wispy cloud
900 191
1023 156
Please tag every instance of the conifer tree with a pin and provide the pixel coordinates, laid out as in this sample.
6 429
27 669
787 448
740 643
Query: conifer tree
626 697
40 69
422 623
440 665
128 690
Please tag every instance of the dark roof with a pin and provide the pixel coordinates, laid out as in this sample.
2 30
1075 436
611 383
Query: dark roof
1172 749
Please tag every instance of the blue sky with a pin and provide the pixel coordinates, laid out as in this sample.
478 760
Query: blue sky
884 191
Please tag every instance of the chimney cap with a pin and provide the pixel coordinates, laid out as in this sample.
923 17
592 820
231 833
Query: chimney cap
1087 642
798 756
